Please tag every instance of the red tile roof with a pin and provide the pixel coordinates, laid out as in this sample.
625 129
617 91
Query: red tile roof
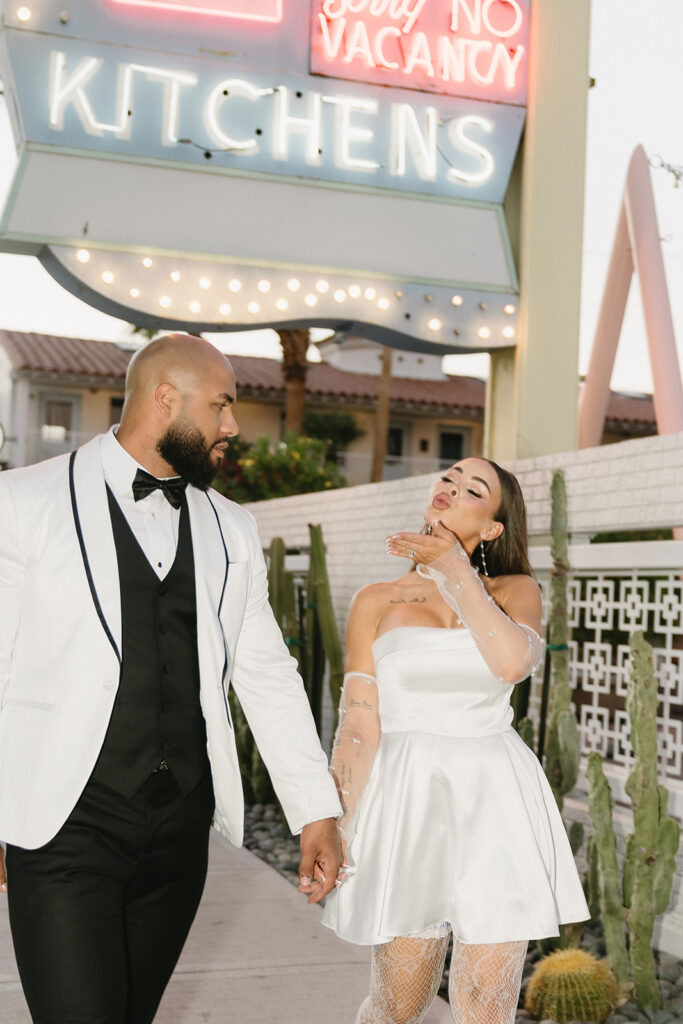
255 375
80 357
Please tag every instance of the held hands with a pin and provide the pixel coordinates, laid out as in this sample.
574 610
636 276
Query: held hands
321 859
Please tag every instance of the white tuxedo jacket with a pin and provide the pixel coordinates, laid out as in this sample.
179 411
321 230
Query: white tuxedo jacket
60 643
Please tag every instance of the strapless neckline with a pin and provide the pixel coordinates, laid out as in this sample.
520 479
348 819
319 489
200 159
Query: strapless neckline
429 629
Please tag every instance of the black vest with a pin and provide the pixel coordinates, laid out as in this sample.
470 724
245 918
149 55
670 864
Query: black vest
157 715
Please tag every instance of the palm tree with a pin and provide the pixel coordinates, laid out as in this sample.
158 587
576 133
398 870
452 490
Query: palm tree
295 344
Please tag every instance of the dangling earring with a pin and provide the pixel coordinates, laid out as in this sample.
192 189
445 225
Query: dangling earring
483 558
428 531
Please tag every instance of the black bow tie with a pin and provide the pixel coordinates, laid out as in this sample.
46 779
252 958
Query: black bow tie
173 489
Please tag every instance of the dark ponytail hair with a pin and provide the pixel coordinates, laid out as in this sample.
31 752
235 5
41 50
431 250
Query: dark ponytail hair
509 553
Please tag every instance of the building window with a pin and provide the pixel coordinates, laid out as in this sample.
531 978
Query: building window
453 445
115 407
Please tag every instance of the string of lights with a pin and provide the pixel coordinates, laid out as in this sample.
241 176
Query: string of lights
675 170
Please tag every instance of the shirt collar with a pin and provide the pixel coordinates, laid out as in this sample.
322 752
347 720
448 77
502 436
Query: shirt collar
119 465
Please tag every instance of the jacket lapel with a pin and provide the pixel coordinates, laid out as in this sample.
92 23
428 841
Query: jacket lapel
211 569
96 538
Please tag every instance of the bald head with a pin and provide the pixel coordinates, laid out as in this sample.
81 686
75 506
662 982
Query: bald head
178 407
182 360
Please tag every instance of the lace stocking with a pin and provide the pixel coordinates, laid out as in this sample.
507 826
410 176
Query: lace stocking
484 982
405 975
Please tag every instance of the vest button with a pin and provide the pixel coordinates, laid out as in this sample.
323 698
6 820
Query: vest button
162 591
163 628
166 670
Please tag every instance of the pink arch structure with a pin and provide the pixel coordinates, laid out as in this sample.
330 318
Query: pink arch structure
637 247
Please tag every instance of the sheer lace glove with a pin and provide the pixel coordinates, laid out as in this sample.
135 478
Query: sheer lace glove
512 650
354 748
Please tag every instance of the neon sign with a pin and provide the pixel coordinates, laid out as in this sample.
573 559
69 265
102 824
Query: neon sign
394 141
247 10
462 47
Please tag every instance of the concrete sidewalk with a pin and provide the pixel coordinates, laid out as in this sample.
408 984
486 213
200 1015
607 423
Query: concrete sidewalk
257 954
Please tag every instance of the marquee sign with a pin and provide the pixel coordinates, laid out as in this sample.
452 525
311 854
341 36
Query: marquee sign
368 143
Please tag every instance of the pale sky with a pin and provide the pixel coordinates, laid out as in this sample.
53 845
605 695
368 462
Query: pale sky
636 60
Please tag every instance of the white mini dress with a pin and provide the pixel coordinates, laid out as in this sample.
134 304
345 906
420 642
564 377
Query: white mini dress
457 822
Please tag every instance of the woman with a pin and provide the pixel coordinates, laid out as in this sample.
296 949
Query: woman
448 818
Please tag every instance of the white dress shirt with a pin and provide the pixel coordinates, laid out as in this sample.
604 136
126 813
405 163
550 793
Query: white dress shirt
153 519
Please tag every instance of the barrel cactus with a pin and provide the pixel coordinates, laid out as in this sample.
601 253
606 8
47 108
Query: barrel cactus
572 985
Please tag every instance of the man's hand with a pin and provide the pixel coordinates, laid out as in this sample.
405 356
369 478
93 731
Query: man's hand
321 859
3 873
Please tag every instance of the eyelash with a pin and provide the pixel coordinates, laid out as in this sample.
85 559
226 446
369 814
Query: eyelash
447 480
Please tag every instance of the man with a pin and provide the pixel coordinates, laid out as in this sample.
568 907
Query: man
131 597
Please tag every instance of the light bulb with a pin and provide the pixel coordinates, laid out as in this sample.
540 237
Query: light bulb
235 285
354 291
135 293
293 284
253 307
147 262
508 332
323 286
339 295
204 282
509 309
83 256
175 275
282 304
484 332
311 300
434 325
24 14
370 294
263 286
195 306
383 303
164 302
456 300
224 309
108 277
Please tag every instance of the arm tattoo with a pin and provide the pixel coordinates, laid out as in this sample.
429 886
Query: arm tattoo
363 704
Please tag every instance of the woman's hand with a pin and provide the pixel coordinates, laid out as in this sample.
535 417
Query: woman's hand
441 545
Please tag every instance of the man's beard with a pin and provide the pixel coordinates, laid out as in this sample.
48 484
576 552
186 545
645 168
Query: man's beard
184 447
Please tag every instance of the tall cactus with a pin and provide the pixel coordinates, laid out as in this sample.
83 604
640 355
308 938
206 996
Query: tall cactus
310 640
655 837
325 614
649 860
562 747
601 805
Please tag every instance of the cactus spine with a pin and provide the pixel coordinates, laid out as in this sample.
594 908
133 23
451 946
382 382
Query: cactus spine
562 747
650 852
571 985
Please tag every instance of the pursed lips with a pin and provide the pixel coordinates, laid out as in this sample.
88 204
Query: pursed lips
441 501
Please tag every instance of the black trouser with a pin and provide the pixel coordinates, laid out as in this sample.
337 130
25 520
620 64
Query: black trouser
100 914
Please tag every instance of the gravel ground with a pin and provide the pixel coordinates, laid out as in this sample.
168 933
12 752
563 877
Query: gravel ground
267 836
